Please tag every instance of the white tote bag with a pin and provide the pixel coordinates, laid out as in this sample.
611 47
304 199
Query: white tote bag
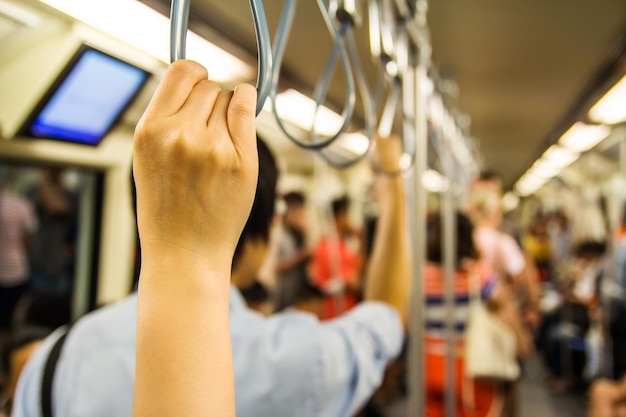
490 350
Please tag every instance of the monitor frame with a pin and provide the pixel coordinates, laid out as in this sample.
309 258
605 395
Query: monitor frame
26 128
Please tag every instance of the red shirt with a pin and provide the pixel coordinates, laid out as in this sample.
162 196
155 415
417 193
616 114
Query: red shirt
334 258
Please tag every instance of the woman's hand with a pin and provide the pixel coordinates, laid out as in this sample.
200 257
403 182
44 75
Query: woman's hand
195 166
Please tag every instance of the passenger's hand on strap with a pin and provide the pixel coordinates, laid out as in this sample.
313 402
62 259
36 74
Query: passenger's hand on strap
388 152
195 168
195 165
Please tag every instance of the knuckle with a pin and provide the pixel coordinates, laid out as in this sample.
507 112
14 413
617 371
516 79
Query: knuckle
188 68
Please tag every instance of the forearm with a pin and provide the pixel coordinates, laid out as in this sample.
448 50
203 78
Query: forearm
183 341
389 270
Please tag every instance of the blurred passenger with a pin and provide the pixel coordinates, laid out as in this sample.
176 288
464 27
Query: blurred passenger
616 303
539 246
474 397
286 365
17 224
505 256
337 262
36 316
502 253
293 252
52 250
257 298
608 399
566 351
560 235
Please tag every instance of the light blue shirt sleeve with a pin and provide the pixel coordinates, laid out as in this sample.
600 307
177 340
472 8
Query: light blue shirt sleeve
356 348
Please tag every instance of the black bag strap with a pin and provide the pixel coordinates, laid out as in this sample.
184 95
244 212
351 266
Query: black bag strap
48 376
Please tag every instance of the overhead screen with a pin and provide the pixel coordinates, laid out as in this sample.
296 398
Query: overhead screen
87 99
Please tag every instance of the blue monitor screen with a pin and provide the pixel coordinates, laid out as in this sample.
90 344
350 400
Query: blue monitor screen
88 100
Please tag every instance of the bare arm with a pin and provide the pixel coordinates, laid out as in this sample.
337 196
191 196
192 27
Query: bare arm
195 167
388 274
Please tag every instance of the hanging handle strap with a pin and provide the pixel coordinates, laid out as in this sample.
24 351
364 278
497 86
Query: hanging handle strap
179 22
282 36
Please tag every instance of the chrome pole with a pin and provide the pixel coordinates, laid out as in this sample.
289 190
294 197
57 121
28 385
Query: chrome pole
416 383
448 215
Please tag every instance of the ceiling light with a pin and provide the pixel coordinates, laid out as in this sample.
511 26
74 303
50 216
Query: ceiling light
529 184
357 143
435 182
299 109
581 137
136 24
611 108
559 157
543 169
405 161
510 201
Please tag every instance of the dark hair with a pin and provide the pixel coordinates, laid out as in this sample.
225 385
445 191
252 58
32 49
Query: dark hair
307 292
591 248
340 205
294 199
489 175
256 293
465 248
260 220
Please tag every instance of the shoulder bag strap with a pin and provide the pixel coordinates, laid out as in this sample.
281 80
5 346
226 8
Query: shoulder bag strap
48 376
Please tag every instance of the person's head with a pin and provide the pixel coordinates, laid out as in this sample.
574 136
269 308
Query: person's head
484 206
309 299
590 250
341 212
53 175
257 298
295 216
491 179
252 246
465 248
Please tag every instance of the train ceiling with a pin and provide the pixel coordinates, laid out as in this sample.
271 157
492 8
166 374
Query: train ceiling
519 64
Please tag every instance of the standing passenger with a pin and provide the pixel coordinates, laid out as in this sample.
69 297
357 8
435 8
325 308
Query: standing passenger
504 255
17 224
293 253
474 398
51 253
337 262
288 365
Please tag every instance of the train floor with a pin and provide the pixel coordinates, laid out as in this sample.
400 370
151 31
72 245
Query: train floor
535 398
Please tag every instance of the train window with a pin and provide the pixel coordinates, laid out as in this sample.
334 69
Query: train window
49 243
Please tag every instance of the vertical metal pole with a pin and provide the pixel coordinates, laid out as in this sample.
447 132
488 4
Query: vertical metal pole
448 214
416 375
622 156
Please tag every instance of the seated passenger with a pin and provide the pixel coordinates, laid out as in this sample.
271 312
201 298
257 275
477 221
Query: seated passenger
287 365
